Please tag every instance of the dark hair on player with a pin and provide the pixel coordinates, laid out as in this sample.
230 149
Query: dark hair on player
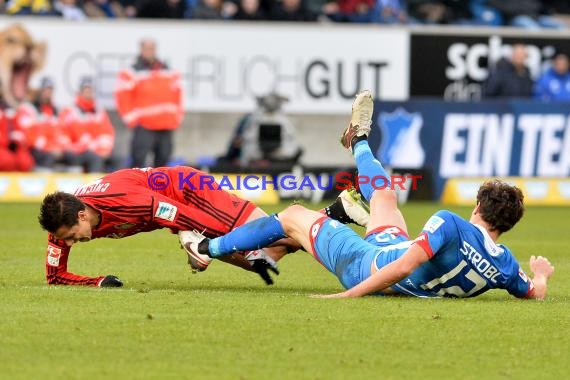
59 209
500 204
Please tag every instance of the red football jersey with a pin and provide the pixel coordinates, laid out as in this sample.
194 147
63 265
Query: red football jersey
130 201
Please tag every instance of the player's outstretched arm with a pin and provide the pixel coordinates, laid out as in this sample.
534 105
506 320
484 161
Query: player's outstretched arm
388 275
542 270
56 268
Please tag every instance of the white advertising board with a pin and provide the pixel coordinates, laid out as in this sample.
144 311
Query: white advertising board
225 65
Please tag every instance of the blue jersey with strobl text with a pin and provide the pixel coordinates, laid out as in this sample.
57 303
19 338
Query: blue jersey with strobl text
464 261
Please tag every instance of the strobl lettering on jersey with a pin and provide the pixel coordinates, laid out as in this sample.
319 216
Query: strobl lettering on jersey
464 261
482 265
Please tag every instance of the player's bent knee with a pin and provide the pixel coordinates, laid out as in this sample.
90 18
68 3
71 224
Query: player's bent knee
290 216
384 197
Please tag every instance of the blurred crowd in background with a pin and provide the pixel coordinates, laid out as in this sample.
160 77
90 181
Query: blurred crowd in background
509 77
518 13
36 134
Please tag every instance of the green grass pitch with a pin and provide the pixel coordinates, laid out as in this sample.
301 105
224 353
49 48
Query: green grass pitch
226 324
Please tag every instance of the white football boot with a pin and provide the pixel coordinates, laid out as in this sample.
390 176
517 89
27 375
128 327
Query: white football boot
355 206
361 120
189 241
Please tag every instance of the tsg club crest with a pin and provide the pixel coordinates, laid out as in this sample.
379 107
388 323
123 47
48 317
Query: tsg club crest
401 145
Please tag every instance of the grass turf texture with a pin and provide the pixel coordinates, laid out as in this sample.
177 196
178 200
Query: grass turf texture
226 324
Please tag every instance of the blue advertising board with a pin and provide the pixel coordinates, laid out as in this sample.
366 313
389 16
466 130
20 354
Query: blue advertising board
482 139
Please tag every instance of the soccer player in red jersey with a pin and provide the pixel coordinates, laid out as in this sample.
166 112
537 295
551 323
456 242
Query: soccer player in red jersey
130 201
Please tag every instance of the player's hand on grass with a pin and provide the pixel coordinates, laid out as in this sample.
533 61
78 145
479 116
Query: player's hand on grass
262 264
540 266
111 281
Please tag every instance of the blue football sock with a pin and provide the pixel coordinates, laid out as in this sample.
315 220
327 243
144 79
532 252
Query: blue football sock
370 168
256 234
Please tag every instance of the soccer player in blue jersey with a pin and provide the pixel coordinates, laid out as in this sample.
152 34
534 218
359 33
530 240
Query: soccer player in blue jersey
451 257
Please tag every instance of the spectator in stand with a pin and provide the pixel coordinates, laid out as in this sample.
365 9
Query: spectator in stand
249 10
29 7
359 11
208 10
291 10
427 11
510 78
557 7
90 131
40 124
69 10
528 14
149 99
391 12
267 5
129 7
103 9
445 11
14 153
554 84
160 8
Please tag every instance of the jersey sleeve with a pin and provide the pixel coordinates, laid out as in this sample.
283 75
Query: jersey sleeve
436 233
520 285
168 213
56 266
